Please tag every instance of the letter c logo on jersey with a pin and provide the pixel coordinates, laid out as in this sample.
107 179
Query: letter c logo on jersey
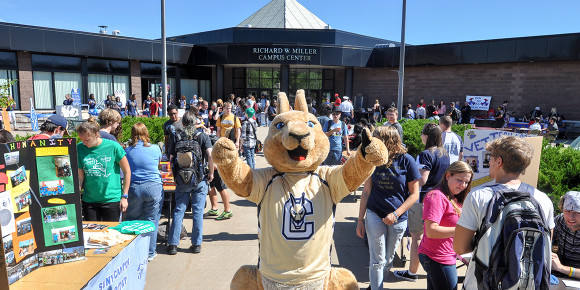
294 226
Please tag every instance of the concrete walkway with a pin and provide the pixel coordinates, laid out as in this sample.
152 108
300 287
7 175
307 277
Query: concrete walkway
229 244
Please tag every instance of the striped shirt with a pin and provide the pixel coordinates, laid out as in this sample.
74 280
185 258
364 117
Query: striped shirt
566 243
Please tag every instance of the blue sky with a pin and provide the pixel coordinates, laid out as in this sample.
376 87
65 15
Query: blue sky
433 21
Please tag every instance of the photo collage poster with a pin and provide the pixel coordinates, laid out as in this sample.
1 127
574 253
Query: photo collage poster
40 211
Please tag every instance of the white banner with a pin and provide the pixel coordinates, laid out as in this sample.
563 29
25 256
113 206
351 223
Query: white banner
122 96
478 102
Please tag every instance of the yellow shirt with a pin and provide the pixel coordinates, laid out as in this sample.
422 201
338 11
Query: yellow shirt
226 122
296 222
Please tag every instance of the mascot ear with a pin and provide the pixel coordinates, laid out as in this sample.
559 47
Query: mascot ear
300 104
283 104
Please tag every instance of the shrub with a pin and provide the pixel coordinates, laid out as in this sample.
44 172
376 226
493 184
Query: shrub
154 125
559 172
412 133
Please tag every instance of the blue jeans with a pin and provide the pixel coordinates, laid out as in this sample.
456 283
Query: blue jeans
145 200
249 155
439 276
333 158
383 242
182 195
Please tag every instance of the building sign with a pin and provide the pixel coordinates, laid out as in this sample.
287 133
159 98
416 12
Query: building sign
267 54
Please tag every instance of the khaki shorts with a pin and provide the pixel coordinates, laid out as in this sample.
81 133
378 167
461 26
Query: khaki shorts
416 219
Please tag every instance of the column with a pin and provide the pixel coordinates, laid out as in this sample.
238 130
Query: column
25 83
285 78
348 81
219 78
135 69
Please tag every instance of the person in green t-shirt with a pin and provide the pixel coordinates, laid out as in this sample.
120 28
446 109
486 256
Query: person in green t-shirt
100 163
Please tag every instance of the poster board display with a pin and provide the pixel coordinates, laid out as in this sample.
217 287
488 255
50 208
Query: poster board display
478 102
40 209
475 154
122 96
76 96
70 112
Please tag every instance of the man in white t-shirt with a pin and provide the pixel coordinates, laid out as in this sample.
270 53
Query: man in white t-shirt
536 125
451 141
347 109
510 156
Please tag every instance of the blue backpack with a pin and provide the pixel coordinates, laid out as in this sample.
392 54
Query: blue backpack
513 248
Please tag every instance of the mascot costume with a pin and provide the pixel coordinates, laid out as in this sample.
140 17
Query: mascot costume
296 200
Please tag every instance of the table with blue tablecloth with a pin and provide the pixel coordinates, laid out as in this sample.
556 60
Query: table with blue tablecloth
124 266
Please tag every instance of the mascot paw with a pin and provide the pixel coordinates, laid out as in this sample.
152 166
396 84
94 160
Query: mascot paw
373 150
224 152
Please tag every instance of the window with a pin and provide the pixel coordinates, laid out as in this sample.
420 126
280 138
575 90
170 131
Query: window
64 83
43 97
307 79
189 88
101 86
259 78
10 75
201 88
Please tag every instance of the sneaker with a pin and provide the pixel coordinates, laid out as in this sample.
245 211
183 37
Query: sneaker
225 215
405 275
152 257
211 212
196 249
171 250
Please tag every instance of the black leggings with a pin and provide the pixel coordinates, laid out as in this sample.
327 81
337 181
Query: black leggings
106 211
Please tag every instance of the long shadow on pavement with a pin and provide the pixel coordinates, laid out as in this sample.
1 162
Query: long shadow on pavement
224 236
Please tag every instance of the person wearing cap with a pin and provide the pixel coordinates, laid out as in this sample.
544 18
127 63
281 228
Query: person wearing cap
536 113
54 127
249 137
337 133
566 236
346 109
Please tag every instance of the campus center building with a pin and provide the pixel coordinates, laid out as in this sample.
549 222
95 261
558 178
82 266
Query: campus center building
285 47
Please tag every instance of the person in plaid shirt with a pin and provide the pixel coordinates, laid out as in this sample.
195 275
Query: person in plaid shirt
249 137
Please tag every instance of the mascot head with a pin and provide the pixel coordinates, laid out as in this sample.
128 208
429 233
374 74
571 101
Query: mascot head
295 142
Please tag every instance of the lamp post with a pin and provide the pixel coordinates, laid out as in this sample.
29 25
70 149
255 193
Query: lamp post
164 59
402 62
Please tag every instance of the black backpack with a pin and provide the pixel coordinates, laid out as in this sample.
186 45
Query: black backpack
188 164
515 234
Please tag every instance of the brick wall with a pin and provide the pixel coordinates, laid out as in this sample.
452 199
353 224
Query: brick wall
524 85
135 68
25 83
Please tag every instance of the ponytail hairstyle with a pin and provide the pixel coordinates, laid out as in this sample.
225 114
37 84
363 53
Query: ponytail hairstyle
89 127
455 168
189 120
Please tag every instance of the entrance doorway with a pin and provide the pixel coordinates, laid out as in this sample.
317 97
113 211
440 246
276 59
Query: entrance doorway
152 86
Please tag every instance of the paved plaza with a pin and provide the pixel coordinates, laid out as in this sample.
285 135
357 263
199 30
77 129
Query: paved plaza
229 244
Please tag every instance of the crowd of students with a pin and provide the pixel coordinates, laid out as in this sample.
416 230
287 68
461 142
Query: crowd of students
430 195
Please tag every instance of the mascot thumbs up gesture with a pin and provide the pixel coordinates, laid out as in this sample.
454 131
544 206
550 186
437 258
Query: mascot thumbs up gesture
296 198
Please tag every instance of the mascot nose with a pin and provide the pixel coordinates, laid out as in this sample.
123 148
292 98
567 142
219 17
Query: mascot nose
299 137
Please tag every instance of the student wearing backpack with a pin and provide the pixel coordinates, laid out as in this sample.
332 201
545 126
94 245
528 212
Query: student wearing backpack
432 163
249 136
337 133
197 148
566 238
441 210
510 156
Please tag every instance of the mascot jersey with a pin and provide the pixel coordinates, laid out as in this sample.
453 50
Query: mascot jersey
296 222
